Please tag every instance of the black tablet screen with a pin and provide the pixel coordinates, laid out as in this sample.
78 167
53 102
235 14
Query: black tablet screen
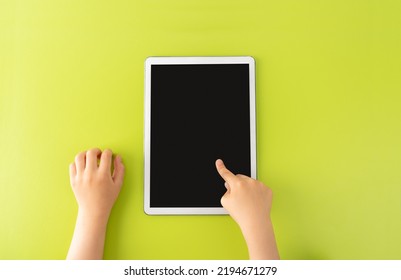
199 113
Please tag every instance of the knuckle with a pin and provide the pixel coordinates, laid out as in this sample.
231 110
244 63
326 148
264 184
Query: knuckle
89 178
224 171
79 156
107 153
104 176
266 190
91 152
77 181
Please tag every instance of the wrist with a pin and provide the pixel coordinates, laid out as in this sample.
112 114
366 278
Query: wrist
93 216
260 240
254 230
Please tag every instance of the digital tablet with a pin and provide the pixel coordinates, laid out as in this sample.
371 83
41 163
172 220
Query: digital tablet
197 110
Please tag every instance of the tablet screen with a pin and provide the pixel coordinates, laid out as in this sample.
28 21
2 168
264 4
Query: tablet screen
199 113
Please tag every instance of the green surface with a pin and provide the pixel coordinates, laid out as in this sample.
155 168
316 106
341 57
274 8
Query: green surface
328 121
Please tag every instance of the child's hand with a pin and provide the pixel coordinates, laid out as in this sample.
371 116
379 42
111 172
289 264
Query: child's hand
95 188
248 202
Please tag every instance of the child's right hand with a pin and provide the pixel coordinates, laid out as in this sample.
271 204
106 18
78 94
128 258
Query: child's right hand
248 202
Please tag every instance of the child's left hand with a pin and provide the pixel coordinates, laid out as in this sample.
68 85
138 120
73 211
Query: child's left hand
95 188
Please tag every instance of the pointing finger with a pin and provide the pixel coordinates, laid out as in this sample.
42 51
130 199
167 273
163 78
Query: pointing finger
226 174
119 170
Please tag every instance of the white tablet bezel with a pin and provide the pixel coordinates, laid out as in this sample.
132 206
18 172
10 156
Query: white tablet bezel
193 60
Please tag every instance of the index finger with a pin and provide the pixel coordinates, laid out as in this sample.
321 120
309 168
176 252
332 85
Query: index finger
226 174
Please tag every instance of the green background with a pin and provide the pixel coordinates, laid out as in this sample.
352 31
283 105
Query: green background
328 121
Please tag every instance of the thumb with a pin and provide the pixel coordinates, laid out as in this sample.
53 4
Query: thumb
119 170
225 198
